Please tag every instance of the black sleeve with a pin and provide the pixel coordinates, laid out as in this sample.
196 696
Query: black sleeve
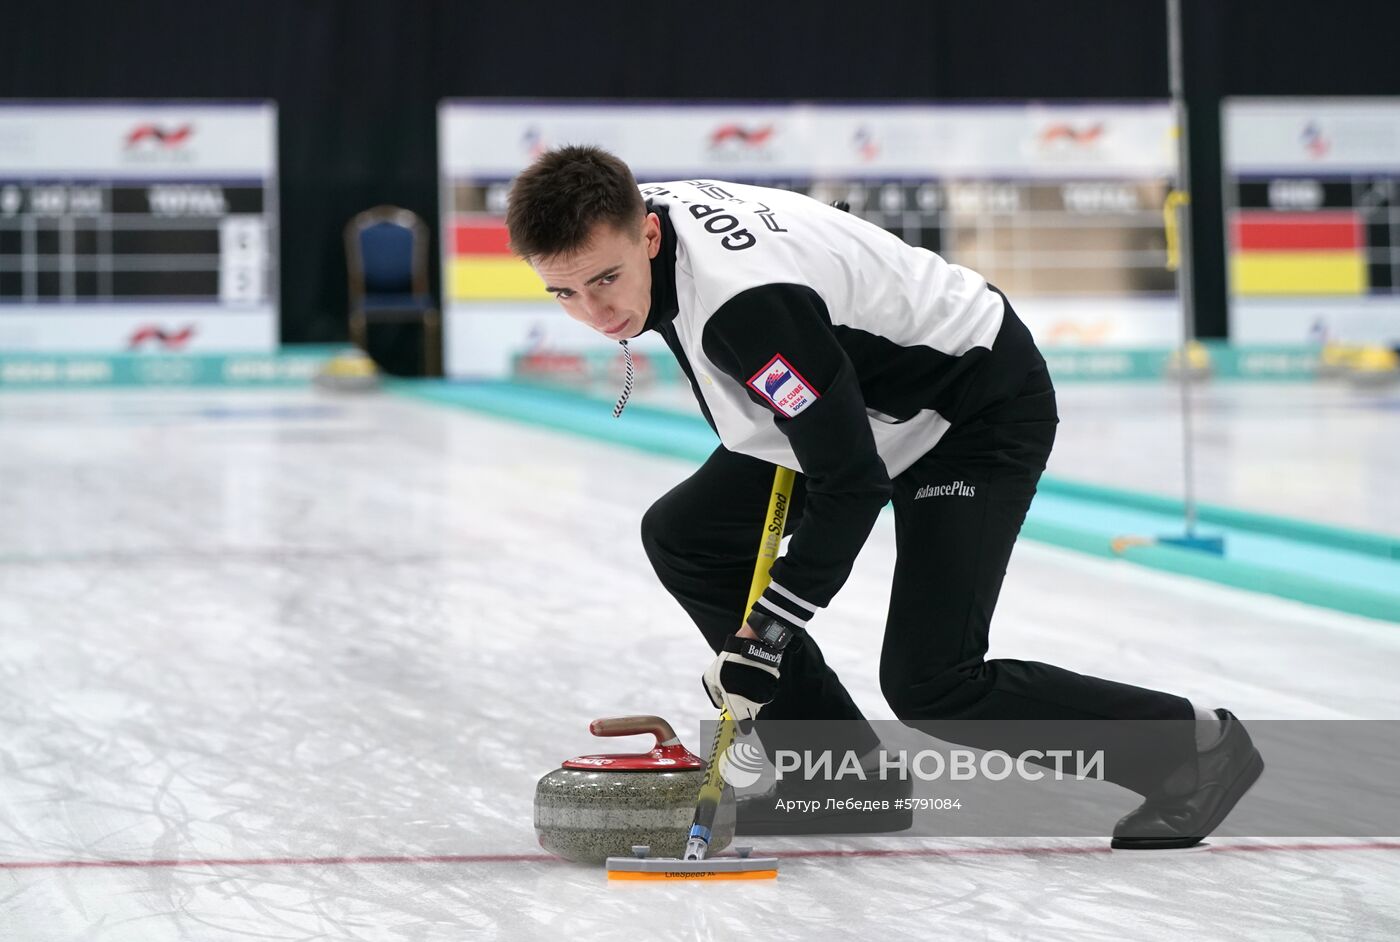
762 333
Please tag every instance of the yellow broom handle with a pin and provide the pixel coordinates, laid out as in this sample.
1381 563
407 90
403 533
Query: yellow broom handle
712 789
779 502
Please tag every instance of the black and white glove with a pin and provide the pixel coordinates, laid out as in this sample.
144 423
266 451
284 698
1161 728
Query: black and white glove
744 676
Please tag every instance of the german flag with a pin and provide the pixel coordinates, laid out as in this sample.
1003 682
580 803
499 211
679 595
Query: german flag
482 268
1321 253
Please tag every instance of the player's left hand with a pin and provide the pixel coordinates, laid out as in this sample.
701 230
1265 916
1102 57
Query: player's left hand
743 677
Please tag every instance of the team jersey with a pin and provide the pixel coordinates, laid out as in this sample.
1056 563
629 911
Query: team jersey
820 342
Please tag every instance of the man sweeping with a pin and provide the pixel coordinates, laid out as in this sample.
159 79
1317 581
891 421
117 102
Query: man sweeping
881 373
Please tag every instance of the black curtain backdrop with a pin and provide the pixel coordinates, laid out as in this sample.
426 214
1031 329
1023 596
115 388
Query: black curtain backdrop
357 82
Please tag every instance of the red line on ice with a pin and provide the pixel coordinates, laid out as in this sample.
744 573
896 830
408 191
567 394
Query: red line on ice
278 861
548 858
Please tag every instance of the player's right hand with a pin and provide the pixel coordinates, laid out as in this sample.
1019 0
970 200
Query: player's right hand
744 677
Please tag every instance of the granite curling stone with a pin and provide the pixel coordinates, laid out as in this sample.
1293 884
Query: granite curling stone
596 807
351 371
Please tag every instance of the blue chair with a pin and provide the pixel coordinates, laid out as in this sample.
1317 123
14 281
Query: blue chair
387 257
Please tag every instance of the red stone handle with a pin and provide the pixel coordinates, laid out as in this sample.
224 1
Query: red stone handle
634 726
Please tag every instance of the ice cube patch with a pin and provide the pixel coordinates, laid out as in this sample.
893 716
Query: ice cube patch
784 387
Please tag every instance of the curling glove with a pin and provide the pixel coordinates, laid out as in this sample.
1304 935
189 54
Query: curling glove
743 677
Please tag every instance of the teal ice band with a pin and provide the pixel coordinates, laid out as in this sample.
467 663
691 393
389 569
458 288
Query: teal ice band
1341 569
295 365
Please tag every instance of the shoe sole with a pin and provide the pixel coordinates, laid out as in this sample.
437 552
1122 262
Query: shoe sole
1237 791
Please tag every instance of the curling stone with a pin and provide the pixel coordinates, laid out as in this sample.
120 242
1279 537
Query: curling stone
1335 359
351 371
1374 366
596 807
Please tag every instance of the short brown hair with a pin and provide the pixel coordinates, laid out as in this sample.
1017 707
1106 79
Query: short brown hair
556 201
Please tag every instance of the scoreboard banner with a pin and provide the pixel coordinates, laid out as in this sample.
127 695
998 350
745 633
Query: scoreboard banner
1059 206
131 226
794 141
1311 188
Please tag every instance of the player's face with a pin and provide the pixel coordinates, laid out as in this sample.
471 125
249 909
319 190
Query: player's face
606 285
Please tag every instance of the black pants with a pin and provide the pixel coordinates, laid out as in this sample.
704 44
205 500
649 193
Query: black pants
953 547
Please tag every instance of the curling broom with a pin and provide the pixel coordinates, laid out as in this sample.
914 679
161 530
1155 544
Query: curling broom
695 865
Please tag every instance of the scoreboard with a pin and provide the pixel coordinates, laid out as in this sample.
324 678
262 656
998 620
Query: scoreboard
138 227
1312 196
1059 206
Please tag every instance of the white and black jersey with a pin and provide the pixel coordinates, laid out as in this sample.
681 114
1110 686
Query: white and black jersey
818 341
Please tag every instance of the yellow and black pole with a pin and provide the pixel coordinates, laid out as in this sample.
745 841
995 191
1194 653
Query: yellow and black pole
707 804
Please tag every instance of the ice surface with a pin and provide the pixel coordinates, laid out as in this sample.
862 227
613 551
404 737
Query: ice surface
287 666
